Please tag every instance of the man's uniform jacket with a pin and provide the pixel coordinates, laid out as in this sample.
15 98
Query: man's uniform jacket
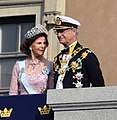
83 69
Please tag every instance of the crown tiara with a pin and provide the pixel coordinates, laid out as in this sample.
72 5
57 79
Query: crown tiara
35 31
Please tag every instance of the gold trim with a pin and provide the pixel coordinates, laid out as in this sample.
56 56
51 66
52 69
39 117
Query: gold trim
61 27
58 21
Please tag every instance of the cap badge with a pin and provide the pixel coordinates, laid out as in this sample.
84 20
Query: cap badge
58 21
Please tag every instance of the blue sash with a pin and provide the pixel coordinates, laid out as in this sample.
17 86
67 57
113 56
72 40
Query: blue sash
22 78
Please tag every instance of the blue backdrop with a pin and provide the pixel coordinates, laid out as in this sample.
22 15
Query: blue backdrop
25 107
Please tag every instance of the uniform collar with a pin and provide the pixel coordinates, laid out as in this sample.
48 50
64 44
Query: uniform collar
69 49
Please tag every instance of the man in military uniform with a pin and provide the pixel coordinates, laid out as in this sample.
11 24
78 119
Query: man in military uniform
75 66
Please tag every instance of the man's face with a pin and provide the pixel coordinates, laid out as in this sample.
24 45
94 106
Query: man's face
66 36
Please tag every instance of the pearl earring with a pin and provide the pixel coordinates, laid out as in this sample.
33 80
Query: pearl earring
31 51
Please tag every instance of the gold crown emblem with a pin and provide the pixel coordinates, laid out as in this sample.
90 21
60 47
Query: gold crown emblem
58 21
45 110
5 112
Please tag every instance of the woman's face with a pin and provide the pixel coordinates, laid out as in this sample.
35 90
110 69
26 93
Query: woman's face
38 47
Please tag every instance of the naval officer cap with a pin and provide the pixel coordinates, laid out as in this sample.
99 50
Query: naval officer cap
65 22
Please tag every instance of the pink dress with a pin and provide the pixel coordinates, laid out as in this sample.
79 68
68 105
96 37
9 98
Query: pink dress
39 83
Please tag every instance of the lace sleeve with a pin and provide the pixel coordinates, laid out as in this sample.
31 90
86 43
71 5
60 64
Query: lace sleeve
14 80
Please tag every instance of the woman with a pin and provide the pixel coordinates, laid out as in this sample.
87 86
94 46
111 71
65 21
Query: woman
34 75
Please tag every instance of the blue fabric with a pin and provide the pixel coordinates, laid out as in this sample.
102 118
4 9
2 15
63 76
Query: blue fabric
23 78
25 107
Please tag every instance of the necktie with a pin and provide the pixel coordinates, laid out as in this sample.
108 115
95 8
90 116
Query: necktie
65 51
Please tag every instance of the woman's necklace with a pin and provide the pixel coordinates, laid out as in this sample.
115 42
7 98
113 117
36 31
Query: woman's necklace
33 64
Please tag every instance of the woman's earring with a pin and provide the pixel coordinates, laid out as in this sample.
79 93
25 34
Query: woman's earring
31 51
30 48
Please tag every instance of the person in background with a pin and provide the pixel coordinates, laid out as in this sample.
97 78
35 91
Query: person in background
34 74
75 66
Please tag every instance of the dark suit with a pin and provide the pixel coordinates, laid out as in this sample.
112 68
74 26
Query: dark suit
83 61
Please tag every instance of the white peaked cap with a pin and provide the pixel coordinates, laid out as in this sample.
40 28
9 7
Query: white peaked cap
62 22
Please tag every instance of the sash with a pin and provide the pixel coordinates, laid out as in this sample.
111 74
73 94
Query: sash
22 77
